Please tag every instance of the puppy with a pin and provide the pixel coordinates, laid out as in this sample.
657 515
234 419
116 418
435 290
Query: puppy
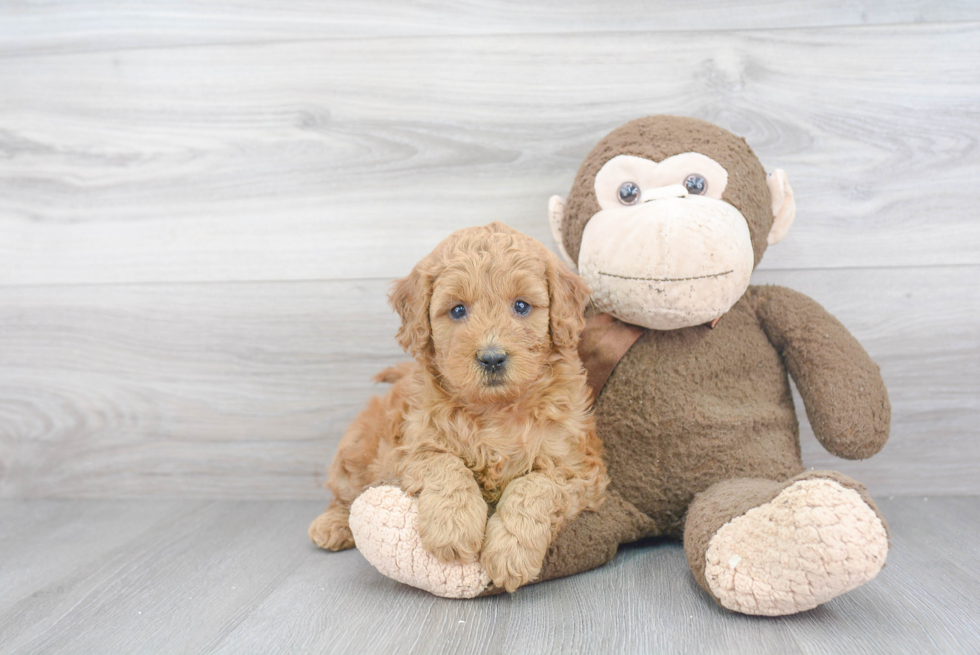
493 416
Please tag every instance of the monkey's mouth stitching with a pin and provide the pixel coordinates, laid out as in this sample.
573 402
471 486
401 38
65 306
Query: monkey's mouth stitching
666 279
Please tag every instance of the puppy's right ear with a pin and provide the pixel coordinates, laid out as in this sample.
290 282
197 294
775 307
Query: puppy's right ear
410 298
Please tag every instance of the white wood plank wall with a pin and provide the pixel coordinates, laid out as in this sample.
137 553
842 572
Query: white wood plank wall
201 206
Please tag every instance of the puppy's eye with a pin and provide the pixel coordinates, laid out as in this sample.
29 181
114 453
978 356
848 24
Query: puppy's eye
458 312
522 308
696 184
629 193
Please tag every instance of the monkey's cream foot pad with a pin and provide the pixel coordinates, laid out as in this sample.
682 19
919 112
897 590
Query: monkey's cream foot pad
816 540
385 523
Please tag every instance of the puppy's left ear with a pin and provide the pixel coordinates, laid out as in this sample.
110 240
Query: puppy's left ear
568 295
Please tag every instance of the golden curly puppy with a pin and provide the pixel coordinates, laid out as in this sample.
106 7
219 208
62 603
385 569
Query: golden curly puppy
493 416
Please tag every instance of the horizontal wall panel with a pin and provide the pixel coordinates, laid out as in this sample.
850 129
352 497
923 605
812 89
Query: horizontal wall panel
349 159
65 26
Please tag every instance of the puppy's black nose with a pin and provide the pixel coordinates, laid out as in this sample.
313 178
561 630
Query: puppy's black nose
492 360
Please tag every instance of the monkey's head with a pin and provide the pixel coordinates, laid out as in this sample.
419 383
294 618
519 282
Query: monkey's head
667 219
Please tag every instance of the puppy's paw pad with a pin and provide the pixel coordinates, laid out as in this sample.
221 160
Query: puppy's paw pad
816 540
385 524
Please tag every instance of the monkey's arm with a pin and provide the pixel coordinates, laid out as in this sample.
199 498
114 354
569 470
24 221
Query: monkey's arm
842 389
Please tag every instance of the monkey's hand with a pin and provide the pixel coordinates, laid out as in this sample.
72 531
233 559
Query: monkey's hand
845 397
385 524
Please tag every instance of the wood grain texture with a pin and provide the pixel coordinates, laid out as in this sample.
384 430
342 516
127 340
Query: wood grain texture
232 577
243 390
350 158
182 389
65 26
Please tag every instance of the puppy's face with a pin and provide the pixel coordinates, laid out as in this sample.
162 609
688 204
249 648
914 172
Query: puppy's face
486 310
490 324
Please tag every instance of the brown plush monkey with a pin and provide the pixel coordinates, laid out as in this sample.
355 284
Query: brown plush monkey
666 220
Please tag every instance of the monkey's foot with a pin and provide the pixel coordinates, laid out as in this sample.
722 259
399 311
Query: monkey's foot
385 524
816 540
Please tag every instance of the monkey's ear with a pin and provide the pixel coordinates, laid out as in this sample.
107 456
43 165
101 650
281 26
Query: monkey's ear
410 298
556 218
783 205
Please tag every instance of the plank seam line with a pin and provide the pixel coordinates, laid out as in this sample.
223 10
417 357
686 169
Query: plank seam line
967 24
314 280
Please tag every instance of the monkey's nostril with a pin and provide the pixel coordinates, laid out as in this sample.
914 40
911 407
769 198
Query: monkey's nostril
492 360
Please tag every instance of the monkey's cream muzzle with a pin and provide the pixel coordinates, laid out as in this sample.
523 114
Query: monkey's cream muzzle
673 260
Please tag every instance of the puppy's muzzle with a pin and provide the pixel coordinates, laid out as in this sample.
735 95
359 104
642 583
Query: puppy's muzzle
492 360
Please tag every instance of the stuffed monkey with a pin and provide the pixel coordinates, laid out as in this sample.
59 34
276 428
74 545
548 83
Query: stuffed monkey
666 220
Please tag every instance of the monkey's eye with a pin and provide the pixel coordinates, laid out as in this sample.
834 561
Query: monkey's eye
522 308
629 193
458 312
695 184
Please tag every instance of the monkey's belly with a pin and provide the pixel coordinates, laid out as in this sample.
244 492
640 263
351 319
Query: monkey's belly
661 467
688 408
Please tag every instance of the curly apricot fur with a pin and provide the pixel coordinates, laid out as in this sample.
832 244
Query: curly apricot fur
519 445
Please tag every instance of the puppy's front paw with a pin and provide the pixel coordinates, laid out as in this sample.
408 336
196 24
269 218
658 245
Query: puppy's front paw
508 563
451 527
331 530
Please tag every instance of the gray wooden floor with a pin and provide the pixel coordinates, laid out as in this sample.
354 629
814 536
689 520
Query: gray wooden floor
240 577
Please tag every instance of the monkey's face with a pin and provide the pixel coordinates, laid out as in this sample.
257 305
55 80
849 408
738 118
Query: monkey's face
667 218
665 251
